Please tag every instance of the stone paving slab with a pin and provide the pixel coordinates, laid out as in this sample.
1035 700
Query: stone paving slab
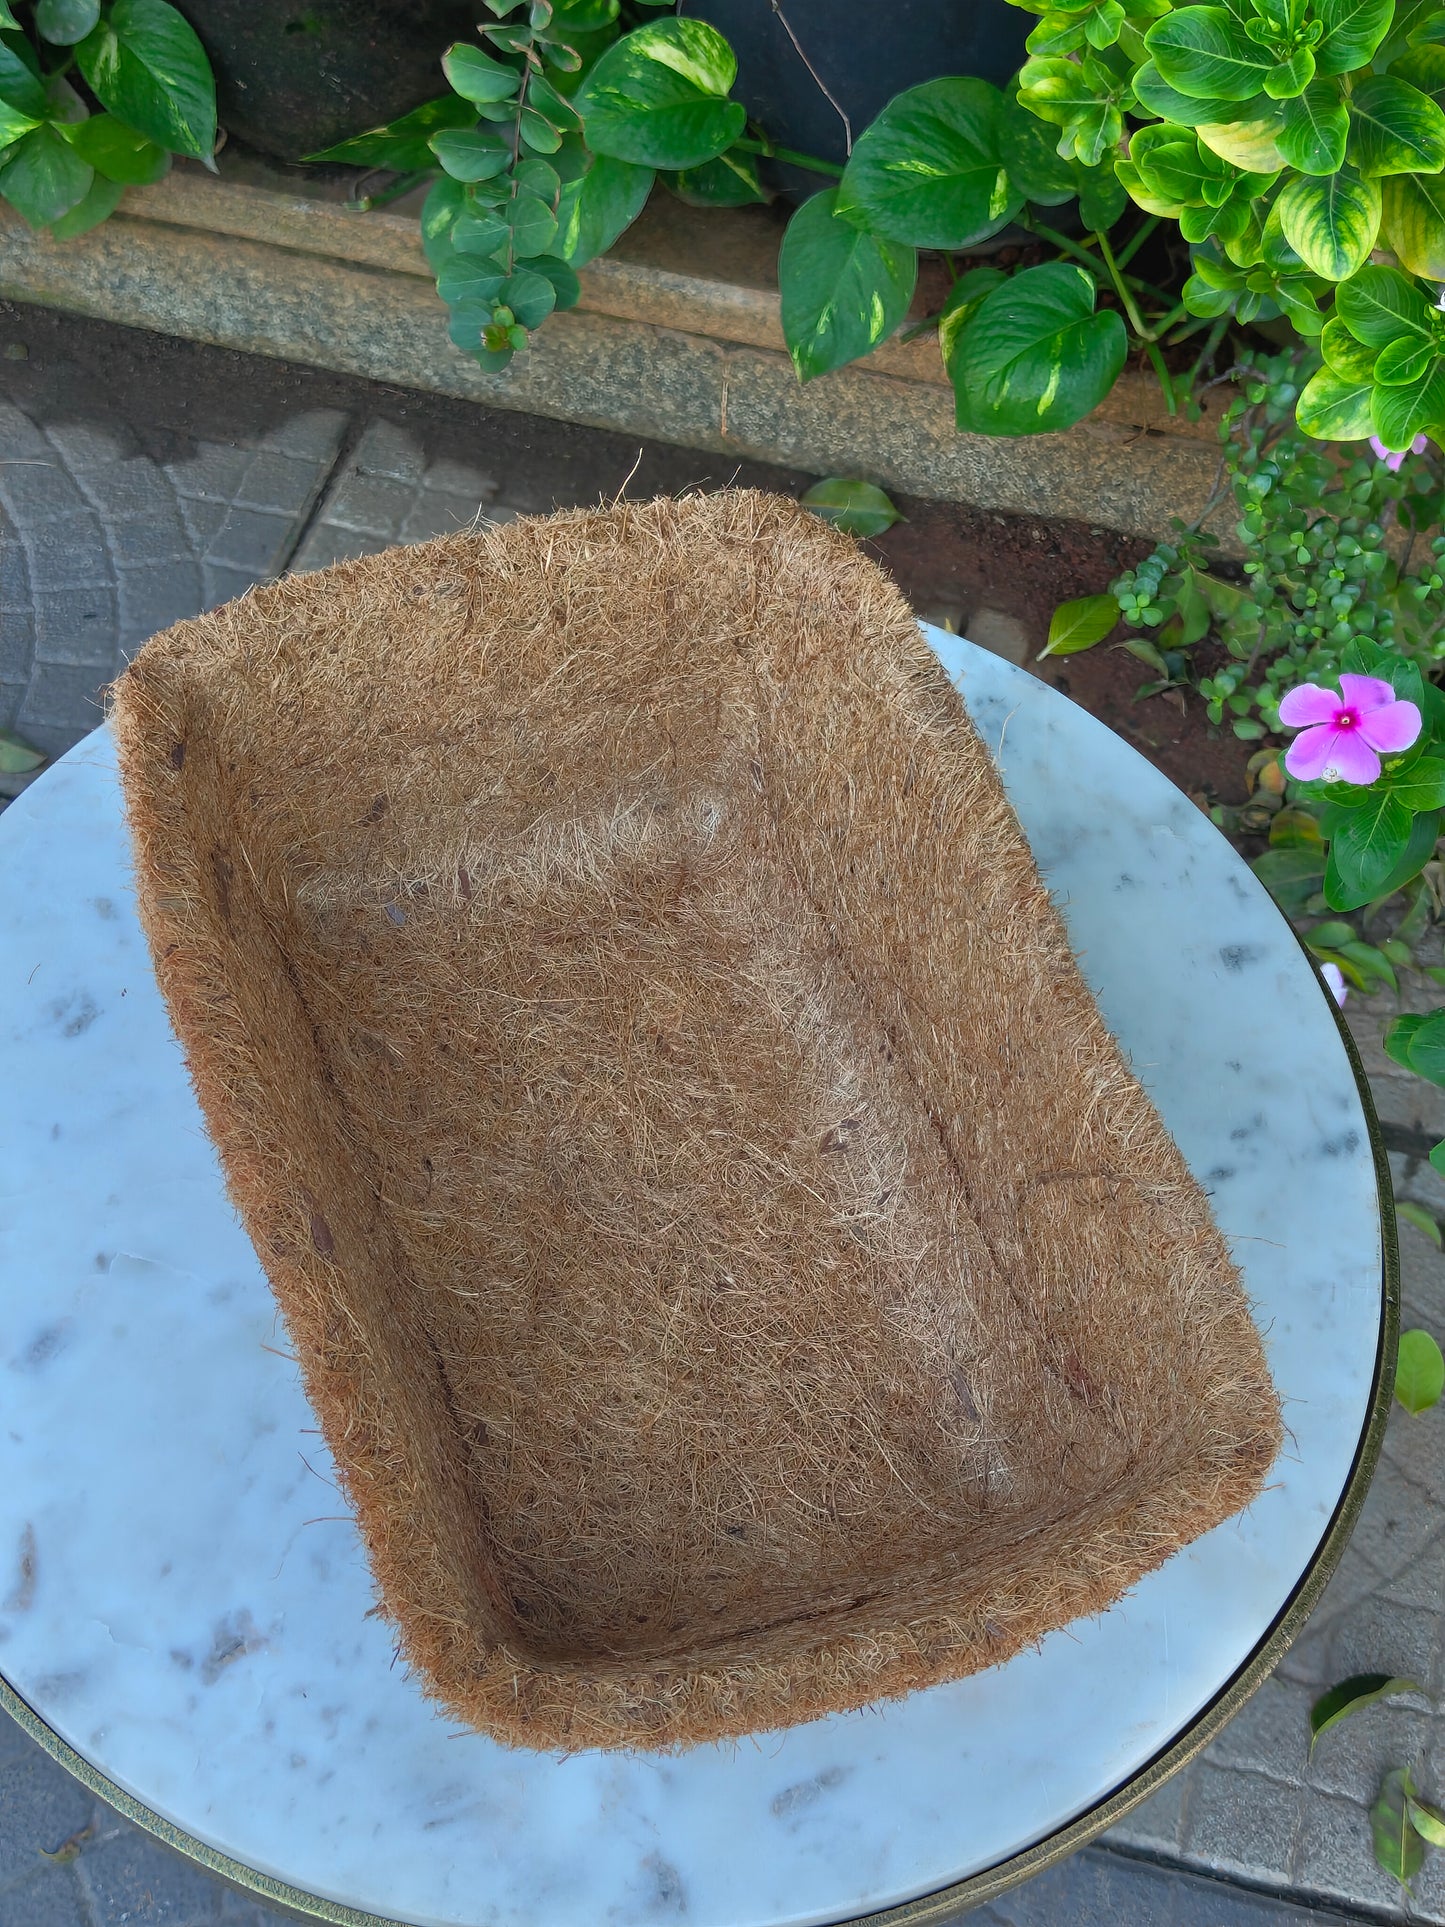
120 513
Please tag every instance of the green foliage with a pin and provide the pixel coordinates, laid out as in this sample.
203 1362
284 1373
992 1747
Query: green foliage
843 290
1353 1696
1319 577
1289 139
63 164
1420 1373
1398 1847
858 508
1080 624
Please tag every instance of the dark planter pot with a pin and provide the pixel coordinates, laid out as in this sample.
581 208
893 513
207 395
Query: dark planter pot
294 76
863 53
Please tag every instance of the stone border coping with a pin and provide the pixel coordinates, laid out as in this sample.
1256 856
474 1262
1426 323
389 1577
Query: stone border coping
677 337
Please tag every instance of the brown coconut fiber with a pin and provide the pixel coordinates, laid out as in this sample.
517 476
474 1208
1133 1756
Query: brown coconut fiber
734 1270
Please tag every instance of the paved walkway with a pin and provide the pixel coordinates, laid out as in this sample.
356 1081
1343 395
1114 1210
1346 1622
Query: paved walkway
141 481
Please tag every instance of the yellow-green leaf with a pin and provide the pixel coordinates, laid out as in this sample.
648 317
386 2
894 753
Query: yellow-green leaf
1331 221
1419 1373
1336 408
1413 221
1079 624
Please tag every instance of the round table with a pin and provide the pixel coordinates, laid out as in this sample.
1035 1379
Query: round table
185 1611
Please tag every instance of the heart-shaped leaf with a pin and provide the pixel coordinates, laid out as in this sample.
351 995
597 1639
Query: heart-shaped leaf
1030 156
843 290
1420 1373
1394 128
21 86
1398 1848
1205 51
1331 221
729 181
964 298
44 177
117 151
1036 357
1413 221
658 97
144 62
929 170
402 144
1335 407
477 77
1353 1696
858 508
595 208
1353 29
1080 624
1414 407
97 204
13 124
1316 129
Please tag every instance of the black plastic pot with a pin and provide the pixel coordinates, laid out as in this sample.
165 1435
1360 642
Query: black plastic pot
862 53
294 76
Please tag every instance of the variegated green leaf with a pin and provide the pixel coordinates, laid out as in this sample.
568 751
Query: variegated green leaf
1331 221
1413 222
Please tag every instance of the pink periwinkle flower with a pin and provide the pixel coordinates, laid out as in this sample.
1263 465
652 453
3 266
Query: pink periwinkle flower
1334 977
1342 735
1393 457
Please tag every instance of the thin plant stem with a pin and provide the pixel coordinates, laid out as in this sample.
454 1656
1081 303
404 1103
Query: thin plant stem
1216 335
1121 288
384 196
1132 246
810 161
1171 401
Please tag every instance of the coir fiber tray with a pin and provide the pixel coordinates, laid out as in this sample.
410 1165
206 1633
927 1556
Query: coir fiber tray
734 1270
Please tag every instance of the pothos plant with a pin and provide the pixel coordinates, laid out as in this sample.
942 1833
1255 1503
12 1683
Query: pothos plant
1289 140
558 128
95 98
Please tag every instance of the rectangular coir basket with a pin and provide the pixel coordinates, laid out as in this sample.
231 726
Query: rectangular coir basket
734 1270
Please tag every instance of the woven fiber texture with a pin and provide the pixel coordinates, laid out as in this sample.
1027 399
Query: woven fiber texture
734 1269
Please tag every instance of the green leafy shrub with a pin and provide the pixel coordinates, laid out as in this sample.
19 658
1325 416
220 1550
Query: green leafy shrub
1319 572
63 165
1288 140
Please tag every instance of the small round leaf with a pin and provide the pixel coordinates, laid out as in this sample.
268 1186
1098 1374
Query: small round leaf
858 508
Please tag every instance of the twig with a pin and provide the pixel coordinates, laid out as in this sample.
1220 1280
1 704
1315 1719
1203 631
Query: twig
817 77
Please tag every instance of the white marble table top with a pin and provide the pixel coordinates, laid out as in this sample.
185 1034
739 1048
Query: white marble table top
184 1600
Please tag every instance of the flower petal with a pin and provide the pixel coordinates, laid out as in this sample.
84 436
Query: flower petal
1366 692
1309 704
1392 727
1334 977
1310 751
1351 758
